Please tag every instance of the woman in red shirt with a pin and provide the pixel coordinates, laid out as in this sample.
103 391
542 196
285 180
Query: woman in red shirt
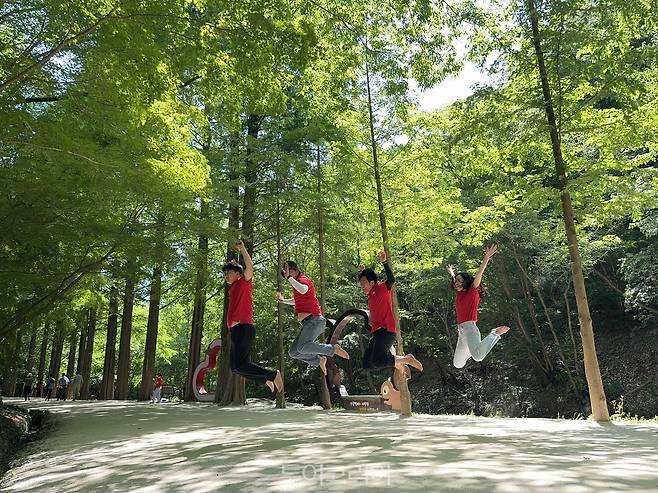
470 342
240 320
305 348
382 322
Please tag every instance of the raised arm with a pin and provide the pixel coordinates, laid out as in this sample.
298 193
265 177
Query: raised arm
248 263
490 252
298 286
390 278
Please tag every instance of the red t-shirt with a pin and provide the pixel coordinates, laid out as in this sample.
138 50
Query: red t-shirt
466 304
306 303
380 305
158 382
240 302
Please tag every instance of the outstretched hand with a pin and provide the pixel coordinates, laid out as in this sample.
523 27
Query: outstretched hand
279 297
451 270
239 245
491 251
361 267
382 256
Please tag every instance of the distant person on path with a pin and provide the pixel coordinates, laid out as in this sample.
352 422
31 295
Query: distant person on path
63 387
76 385
307 308
27 386
50 385
157 387
240 321
469 291
40 386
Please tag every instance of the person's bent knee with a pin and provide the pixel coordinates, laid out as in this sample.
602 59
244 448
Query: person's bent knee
478 357
458 364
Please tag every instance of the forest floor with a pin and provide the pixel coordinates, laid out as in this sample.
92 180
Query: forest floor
128 446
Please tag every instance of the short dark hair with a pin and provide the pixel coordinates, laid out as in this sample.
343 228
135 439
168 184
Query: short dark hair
292 265
369 274
234 267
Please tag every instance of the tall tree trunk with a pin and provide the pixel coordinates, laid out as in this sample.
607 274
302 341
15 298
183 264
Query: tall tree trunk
234 392
70 365
324 389
196 334
250 179
58 346
123 365
405 396
107 386
280 397
42 354
230 386
83 326
88 353
148 368
29 363
592 371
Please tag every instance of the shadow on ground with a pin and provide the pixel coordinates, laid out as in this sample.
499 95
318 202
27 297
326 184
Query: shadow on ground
127 446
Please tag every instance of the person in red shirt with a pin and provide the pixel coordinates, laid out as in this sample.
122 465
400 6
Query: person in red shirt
307 308
157 387
240 321
469 290
382 322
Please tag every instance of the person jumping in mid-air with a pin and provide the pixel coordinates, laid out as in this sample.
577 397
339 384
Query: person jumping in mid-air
305 348
240 320
469 290
382 322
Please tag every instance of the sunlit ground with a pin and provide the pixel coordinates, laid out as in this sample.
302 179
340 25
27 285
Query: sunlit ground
128 446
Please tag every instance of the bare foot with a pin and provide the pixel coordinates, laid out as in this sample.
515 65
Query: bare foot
323 365
270 384
339 351
502 329
412 361
278 381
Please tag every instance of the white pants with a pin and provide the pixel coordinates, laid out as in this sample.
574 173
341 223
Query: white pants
470 344
156 394
75 390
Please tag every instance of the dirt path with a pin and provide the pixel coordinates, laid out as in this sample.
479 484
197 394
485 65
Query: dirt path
129 446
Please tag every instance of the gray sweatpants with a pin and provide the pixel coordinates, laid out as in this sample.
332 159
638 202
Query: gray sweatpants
305 348
469 344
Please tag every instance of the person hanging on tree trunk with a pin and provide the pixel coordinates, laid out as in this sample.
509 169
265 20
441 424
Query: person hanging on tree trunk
469 291
307 308
240 320
382 322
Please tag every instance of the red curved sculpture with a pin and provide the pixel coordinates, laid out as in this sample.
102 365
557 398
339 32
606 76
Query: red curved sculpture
204 367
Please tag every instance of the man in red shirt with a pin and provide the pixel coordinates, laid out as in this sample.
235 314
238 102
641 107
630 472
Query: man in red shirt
307 308
382 322
240 320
